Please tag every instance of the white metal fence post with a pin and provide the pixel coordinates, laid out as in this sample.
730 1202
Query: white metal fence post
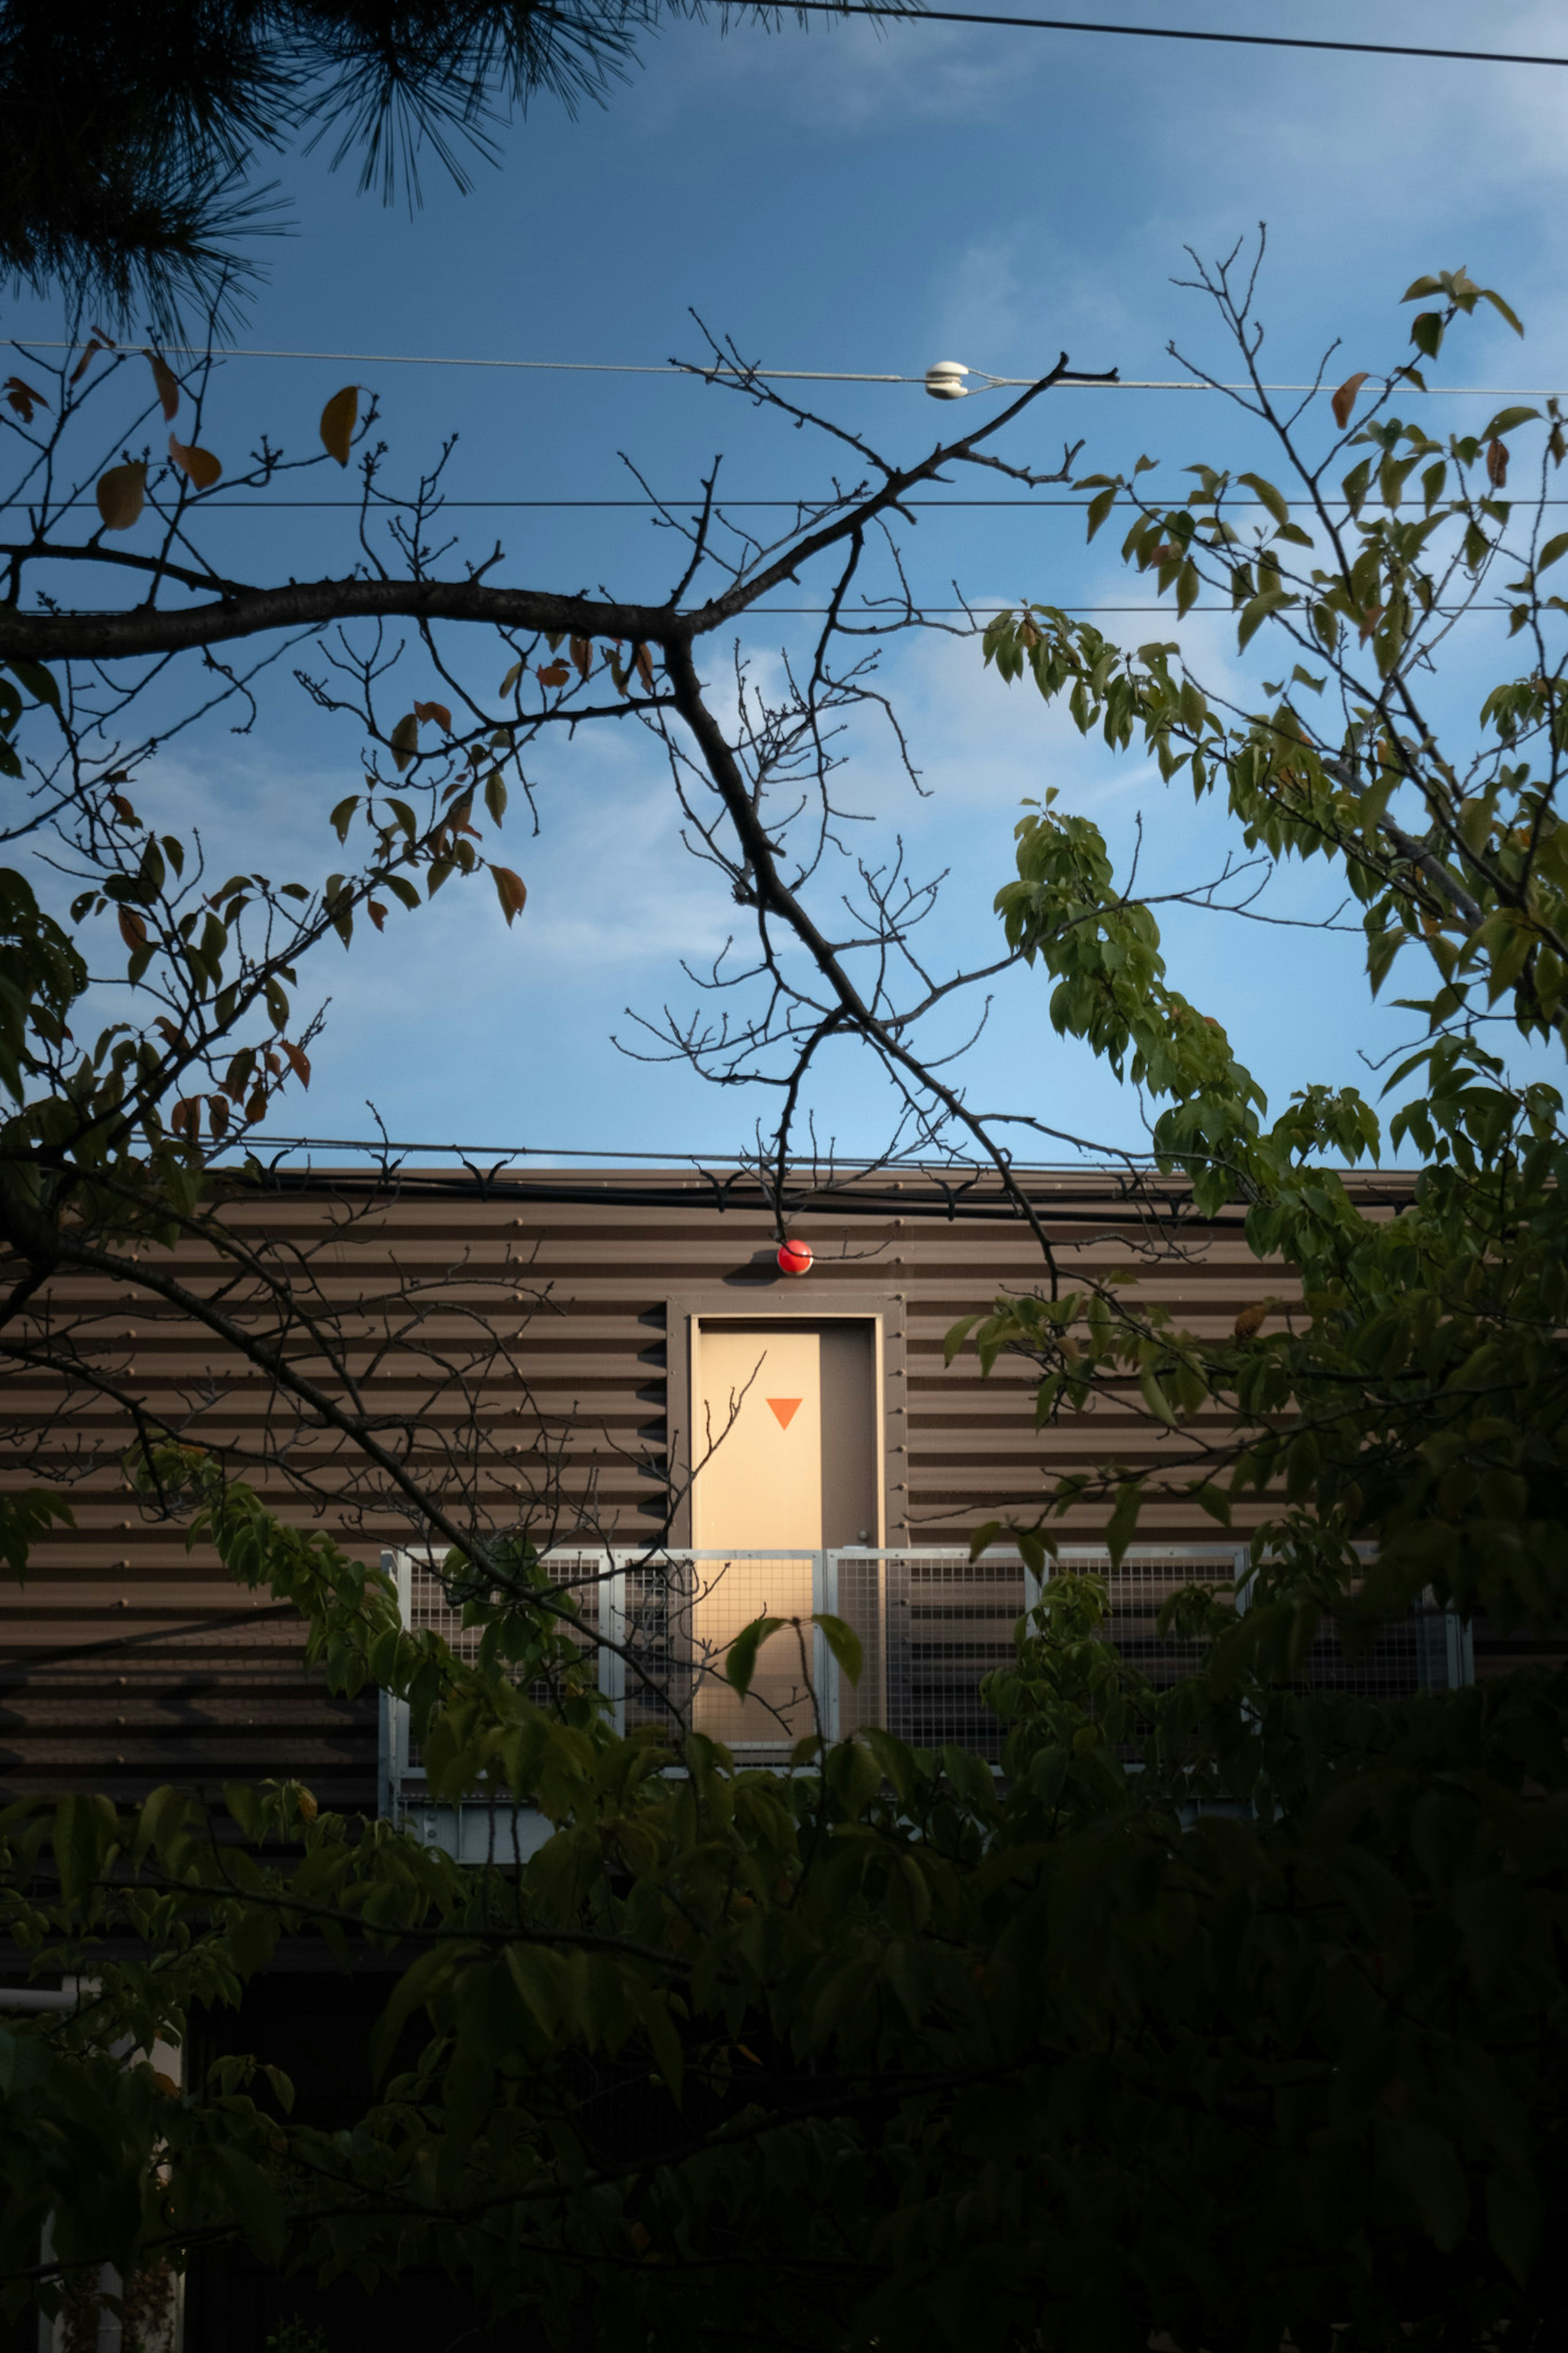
613 1618
825 1666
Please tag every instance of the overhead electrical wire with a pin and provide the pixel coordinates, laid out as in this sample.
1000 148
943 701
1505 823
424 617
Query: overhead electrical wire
915 13
731 373
724 506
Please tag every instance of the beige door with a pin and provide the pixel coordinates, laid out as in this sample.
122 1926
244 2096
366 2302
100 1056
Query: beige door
787 1418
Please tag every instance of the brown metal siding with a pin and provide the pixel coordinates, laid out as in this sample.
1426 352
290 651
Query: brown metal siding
202 1693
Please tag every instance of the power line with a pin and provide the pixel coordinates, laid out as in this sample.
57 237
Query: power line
725 506
731 373
919 14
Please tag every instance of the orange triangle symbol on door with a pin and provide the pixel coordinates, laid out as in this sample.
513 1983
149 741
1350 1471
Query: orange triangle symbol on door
786 1408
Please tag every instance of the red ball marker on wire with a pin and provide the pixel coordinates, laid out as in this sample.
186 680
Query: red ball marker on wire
795 1257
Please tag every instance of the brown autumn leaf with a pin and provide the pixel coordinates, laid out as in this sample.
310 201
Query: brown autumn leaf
555 673
122 493
297 1060
511 889
167 382
644 661
132 930
1496 464
180 1117
1251 1319
23 398
123 809
436 711
582 651
217 1114
199 465
257 1107
86 359
165 2084
338 419
1345 399
305 1800
376 909
404 739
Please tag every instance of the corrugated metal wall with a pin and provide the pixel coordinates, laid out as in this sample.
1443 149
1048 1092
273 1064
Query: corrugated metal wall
129 1662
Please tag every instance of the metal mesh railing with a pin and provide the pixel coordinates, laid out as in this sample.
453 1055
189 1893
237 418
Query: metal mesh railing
678 1614
931 1625
949 1623
430 1606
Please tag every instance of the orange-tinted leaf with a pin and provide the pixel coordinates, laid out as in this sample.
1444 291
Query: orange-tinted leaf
122 493
338 419
132 930
511 889
555 673
582 655
217 1114
180 1117
86 359
436 711
299 1060
257 1107
375 909
404 739
1345 399
644 661
123 809
1251 1319
1496 463
23 398
200 465
167 382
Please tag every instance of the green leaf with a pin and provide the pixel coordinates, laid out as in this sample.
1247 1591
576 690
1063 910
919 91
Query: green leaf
1154 1397
1123 1520
24 2060
1268 496
84 1832
957 1335
1502 310
1213 1501
1507 419
1254 614
24 1516
843 1642
741 1663
247 1808
38 681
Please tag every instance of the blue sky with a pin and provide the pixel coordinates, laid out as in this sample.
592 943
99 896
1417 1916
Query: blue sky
844 198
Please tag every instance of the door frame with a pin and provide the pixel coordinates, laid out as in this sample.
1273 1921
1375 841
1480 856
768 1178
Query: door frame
885 1311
